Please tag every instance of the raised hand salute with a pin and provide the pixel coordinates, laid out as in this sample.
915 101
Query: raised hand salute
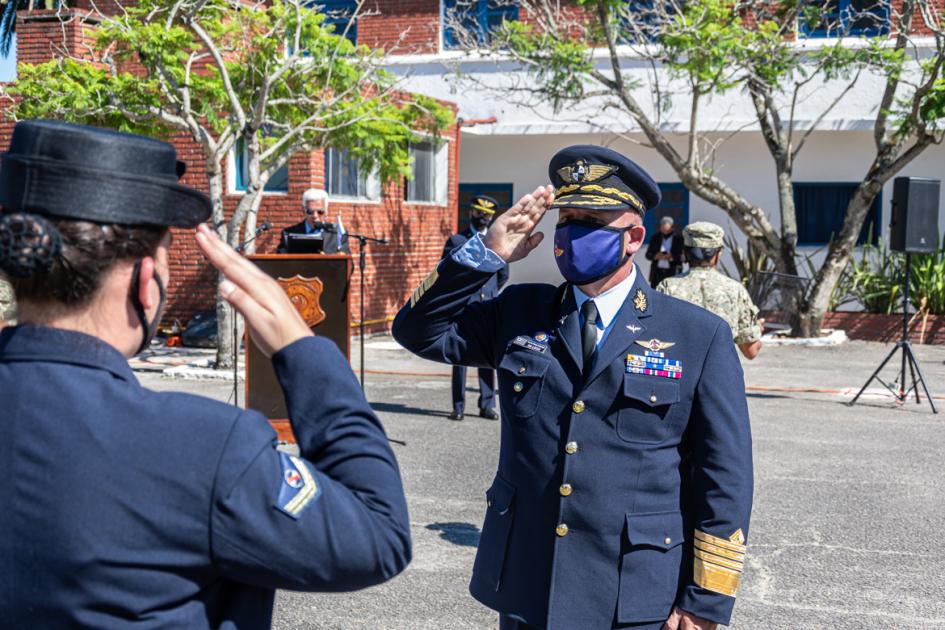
510 236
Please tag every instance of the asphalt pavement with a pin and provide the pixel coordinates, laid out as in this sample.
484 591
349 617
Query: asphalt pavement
848 500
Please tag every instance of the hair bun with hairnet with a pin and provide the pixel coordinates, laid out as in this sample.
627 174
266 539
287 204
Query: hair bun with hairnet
28 243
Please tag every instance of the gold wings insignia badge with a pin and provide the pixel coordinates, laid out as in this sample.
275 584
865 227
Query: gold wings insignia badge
581 171
655 344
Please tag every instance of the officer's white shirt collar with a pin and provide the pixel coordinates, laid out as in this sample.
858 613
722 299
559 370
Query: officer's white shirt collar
608 303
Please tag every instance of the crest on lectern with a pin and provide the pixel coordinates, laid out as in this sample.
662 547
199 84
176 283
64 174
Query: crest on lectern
305 294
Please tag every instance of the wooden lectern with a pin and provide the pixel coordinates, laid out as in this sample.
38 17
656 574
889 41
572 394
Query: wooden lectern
319 286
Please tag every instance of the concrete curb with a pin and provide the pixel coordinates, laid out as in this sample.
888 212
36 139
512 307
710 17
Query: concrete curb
833 338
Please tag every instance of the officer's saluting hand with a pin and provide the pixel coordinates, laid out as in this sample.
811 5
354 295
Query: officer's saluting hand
624 484
125 507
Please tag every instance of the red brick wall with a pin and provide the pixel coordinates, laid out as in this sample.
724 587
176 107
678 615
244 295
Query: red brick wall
416 232
401 26
43 35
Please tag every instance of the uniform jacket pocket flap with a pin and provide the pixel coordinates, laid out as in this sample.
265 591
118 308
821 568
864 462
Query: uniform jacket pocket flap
524 363
655 529
653 391
499 496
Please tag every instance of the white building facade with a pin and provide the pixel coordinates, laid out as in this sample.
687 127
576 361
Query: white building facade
509 138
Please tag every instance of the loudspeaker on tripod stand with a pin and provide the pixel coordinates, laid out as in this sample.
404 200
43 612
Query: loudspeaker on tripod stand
913 228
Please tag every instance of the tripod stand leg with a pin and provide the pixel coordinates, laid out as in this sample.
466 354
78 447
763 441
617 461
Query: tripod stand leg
915 363
875 374
915 382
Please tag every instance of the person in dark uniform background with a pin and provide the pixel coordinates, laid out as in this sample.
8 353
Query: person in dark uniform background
665 252
482 211
624 485
124 507
315 221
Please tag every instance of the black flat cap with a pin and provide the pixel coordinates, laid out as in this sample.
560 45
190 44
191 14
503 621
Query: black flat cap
597 178
85 173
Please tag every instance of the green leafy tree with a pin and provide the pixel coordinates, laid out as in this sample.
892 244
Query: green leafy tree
271 77
581 56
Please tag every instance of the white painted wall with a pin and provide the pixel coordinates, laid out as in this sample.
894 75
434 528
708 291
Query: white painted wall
743 161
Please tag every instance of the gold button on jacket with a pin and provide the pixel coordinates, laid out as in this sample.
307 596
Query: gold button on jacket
571 448
561 530
566 490
578 406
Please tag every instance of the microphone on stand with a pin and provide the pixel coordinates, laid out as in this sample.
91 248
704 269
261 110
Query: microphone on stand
324 226
265 227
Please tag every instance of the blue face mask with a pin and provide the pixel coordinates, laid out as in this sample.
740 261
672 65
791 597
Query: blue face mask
586 251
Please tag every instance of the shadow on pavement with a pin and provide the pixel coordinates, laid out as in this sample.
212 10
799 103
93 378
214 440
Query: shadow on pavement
462 534
413 411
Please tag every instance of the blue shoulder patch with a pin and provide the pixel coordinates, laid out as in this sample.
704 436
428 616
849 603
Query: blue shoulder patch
298 489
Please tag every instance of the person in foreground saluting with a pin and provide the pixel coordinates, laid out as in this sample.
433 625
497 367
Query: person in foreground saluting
624 484
129 508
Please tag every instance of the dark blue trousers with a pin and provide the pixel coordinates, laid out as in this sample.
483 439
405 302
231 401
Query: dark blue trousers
486 388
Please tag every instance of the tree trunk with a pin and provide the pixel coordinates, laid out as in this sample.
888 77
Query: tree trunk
793 294
228 346
225 314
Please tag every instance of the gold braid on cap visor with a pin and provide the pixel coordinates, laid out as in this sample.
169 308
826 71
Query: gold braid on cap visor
482 209
589 189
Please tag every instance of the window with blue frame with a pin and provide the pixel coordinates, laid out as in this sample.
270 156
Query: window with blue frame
279 182
674 203
339 13
820 208
844 18
472 22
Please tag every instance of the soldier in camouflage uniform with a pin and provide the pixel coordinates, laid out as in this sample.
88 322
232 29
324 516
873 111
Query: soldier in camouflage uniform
7 304
704 285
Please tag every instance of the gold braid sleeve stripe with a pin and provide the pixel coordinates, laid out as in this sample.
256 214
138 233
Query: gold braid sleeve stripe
715 578
720 551
424 287
720 542
716 560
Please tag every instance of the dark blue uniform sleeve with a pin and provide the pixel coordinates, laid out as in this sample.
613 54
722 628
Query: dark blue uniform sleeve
502 276
333 519
720 435
440 324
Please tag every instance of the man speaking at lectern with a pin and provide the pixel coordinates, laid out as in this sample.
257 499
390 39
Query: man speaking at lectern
315 222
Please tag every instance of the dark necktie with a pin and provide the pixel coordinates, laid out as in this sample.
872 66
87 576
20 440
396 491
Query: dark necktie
588 334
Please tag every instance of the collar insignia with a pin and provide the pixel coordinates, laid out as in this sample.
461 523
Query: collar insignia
655 344
581 171
633 328
639 301
558 252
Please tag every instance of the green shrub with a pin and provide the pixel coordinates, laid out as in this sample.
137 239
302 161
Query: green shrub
874 280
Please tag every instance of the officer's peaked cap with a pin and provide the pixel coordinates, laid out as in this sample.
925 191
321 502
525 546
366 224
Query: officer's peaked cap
598 178
85 173
484 203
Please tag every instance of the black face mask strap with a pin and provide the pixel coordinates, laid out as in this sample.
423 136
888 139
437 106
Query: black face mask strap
149 328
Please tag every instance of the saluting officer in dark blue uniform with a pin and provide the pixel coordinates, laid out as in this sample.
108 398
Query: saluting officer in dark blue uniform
624 482
482 211
128 508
